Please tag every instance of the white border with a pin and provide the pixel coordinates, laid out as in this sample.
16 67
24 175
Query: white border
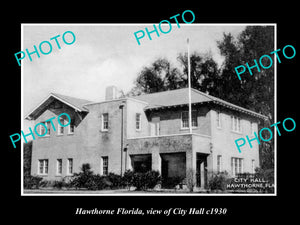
153 194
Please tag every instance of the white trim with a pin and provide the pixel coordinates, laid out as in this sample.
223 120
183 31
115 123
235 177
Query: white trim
37 106
40 129
67 103
235 124
118 99
48 123
102 122
102 165
59 126
187 128
57 167
69 129
140 121
68 165
43 161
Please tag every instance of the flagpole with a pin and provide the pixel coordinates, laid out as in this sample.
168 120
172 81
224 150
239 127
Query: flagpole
189 88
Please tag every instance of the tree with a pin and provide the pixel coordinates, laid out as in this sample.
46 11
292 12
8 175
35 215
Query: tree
27 152
254 92
204 71
161 76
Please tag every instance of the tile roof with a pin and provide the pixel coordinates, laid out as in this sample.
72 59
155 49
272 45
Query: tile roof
180 97
76 103
156 100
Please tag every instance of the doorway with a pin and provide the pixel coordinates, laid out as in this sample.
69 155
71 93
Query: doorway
201 170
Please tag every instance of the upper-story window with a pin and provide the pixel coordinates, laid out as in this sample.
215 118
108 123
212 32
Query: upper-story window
236 124
42 129
185 119
60 130
104 121
138 121
219 120
71 127
48 124
45 128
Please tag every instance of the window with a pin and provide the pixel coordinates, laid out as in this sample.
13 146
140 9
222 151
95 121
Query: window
235 124
105 165
48 124
236 166
71 127
253 165
219 122
60 130
42 129
59 166
219 163
43 167
70 167
138 121
104 121
185 119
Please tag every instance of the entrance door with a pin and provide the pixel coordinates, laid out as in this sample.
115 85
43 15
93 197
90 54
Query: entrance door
201 170
164 168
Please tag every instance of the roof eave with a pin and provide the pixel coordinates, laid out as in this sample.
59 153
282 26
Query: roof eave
30 115
246 111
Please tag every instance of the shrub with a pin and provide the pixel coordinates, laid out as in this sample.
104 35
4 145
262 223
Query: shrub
116 180
268 176
82 179
218 181
46 183
31 182
97 182
144 181
59 184
172 182
152 178
128 178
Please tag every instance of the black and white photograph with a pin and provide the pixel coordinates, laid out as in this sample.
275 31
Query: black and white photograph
166 116
178 112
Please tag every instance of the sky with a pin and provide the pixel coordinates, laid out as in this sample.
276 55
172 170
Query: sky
103 55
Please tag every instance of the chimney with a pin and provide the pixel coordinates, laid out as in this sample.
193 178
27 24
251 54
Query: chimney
111 93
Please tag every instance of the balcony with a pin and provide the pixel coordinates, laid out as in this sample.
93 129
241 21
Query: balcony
169 144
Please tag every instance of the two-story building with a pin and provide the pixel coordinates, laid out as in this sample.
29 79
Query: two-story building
144 132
